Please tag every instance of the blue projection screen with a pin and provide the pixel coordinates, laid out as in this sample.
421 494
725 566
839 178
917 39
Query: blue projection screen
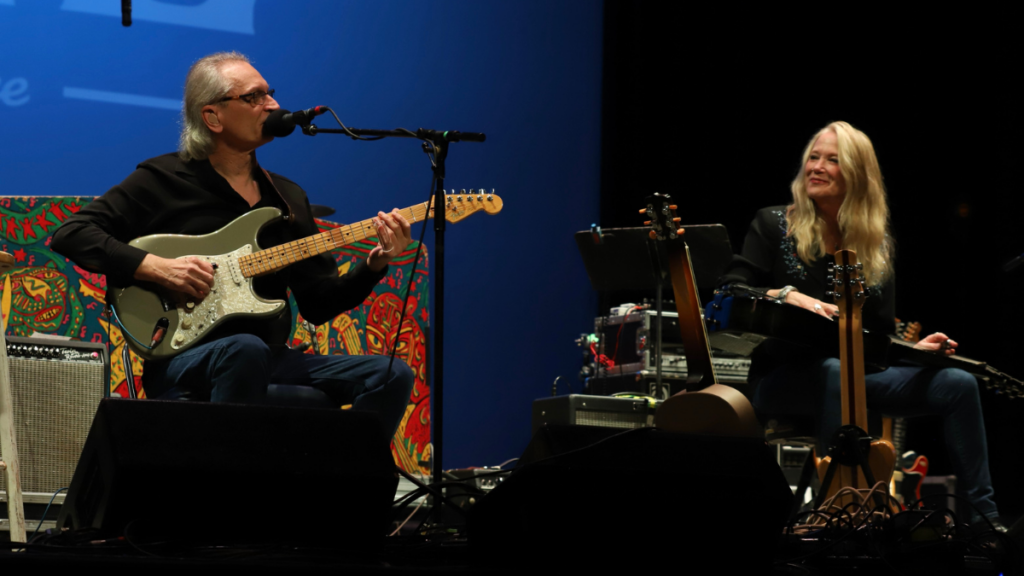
83 100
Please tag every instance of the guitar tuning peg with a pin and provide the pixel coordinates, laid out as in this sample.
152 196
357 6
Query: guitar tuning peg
677 220
680 232
647 223
653 235
830 280
643 211
672 207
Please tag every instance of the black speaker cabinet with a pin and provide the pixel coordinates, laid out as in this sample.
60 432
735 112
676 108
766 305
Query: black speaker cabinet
593 498
233 474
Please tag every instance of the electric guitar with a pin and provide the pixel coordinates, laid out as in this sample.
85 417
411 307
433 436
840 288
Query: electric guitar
880 457
705 407
161 323
913 467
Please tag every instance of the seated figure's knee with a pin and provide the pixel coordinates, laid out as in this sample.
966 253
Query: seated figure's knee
955 382
246 346
831 373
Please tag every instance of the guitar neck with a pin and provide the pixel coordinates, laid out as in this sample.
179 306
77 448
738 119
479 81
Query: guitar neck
851 350
700 370
274 259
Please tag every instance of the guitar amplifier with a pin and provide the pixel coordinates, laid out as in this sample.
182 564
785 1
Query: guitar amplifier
585 410
56 386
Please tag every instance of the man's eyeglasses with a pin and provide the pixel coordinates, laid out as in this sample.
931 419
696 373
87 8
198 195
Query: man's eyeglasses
252 98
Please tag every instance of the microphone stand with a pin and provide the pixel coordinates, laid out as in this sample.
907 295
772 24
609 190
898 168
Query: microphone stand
439 141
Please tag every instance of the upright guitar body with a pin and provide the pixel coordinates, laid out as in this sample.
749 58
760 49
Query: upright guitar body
880 455
705 407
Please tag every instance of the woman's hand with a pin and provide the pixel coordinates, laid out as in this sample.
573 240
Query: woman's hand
938 342
813 304
807 303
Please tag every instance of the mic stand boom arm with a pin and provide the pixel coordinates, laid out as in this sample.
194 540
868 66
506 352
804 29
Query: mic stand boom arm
438 140
420 134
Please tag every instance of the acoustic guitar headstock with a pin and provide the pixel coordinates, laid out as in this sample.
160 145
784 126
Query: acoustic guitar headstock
846 277
663 220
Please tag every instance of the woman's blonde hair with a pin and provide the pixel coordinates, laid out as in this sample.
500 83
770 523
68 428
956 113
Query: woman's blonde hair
863 216
204 85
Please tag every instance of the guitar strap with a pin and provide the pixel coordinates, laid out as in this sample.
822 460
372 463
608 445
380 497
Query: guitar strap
290 216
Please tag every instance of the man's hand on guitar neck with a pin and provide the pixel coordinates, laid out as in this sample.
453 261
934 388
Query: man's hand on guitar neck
393 235
191 275
938 343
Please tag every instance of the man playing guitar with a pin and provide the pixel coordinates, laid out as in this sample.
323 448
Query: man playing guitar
213 180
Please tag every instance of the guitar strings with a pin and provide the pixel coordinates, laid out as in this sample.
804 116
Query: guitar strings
273 259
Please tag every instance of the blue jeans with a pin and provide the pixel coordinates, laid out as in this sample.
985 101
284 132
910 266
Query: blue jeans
242 369
813 389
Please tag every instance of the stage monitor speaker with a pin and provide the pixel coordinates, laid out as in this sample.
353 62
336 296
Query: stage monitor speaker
233 474
56 386
587 498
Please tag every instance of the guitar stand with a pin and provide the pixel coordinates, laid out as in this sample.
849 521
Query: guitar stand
849 447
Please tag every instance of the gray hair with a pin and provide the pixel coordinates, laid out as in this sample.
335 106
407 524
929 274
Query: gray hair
204 85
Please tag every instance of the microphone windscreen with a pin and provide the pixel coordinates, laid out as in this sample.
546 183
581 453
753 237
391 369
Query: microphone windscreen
276 126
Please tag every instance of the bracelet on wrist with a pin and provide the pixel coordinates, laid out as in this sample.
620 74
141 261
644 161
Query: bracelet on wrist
785 292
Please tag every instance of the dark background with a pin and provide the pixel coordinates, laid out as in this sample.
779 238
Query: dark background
716 112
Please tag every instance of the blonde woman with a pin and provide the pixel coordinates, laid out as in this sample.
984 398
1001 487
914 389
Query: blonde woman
839 202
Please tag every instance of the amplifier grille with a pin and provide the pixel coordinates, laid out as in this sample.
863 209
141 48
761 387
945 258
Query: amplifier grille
54 405
611 419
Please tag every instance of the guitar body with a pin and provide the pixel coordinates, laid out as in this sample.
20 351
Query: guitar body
915 468
716 410
881 462
141 307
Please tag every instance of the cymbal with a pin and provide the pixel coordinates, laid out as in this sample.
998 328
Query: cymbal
321 211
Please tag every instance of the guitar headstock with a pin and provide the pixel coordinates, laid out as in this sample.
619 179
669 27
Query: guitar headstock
663 220
461 204
908 331
846 277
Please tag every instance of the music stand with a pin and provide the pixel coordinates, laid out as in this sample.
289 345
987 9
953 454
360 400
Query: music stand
627 259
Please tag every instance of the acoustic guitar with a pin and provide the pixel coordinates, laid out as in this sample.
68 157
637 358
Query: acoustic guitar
705 406
852 448
147 310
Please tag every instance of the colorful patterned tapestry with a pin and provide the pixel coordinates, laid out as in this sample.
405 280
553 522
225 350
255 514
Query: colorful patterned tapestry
47 294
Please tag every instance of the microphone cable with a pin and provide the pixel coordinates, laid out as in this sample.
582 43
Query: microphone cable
412 276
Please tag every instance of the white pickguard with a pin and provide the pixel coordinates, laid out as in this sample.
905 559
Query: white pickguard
231 294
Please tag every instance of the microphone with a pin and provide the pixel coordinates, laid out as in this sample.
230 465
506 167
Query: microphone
126 12
282 122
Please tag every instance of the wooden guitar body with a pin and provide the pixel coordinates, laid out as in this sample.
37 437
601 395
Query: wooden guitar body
881 462
716 410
